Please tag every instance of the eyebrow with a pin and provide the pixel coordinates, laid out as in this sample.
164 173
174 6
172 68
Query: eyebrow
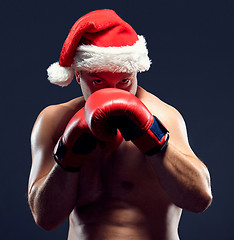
93 74
129 74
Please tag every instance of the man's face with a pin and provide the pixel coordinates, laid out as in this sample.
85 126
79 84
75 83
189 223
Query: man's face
91 82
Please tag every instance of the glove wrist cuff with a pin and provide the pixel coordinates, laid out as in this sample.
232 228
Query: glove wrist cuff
60 158
154 139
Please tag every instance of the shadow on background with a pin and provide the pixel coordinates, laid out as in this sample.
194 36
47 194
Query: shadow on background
191 47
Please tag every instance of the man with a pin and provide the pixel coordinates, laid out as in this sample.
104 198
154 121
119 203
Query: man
117 160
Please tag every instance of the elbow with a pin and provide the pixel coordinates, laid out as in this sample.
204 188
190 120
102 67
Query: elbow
41 219
206 201
202 202
44 223
203 195
198 199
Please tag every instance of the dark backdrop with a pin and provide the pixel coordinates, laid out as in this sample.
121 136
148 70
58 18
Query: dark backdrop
191 47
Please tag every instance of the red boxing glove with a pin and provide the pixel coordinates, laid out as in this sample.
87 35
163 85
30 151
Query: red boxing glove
109 109
76 143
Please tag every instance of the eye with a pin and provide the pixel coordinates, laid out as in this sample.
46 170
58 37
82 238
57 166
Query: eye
97 82
125 81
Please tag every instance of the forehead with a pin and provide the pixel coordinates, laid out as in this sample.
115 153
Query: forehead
104 75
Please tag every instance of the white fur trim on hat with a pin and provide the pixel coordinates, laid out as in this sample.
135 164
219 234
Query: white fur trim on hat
115 59
58 75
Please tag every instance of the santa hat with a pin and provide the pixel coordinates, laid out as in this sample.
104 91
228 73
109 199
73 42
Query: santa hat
100 41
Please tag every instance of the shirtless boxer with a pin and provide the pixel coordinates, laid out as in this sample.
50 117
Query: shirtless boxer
113 185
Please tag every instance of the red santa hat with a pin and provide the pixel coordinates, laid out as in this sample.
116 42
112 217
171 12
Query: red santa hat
100 41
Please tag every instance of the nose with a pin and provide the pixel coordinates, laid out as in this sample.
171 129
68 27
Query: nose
112 85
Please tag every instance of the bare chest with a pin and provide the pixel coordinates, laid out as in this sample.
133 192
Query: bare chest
126 175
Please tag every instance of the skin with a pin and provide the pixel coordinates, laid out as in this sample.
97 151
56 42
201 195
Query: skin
119 195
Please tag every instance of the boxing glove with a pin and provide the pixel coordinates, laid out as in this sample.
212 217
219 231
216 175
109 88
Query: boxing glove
109 109
76 143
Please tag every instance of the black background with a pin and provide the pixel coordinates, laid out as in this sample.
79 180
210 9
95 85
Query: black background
191 47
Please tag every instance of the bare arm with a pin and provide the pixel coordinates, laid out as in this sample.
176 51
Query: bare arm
53 197
181 174
52 192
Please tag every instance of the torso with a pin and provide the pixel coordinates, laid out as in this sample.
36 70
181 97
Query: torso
120 198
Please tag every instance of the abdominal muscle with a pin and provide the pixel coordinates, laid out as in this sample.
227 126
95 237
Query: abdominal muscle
113 222
121 199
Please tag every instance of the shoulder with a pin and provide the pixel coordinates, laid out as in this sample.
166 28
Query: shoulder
158 107
63 108
53 119
169 116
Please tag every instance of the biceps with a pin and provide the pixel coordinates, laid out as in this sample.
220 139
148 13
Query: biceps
42 163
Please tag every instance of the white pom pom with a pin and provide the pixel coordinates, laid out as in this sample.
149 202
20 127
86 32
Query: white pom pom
58 75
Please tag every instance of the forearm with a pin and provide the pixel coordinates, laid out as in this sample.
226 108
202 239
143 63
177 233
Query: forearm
185 179
53 197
